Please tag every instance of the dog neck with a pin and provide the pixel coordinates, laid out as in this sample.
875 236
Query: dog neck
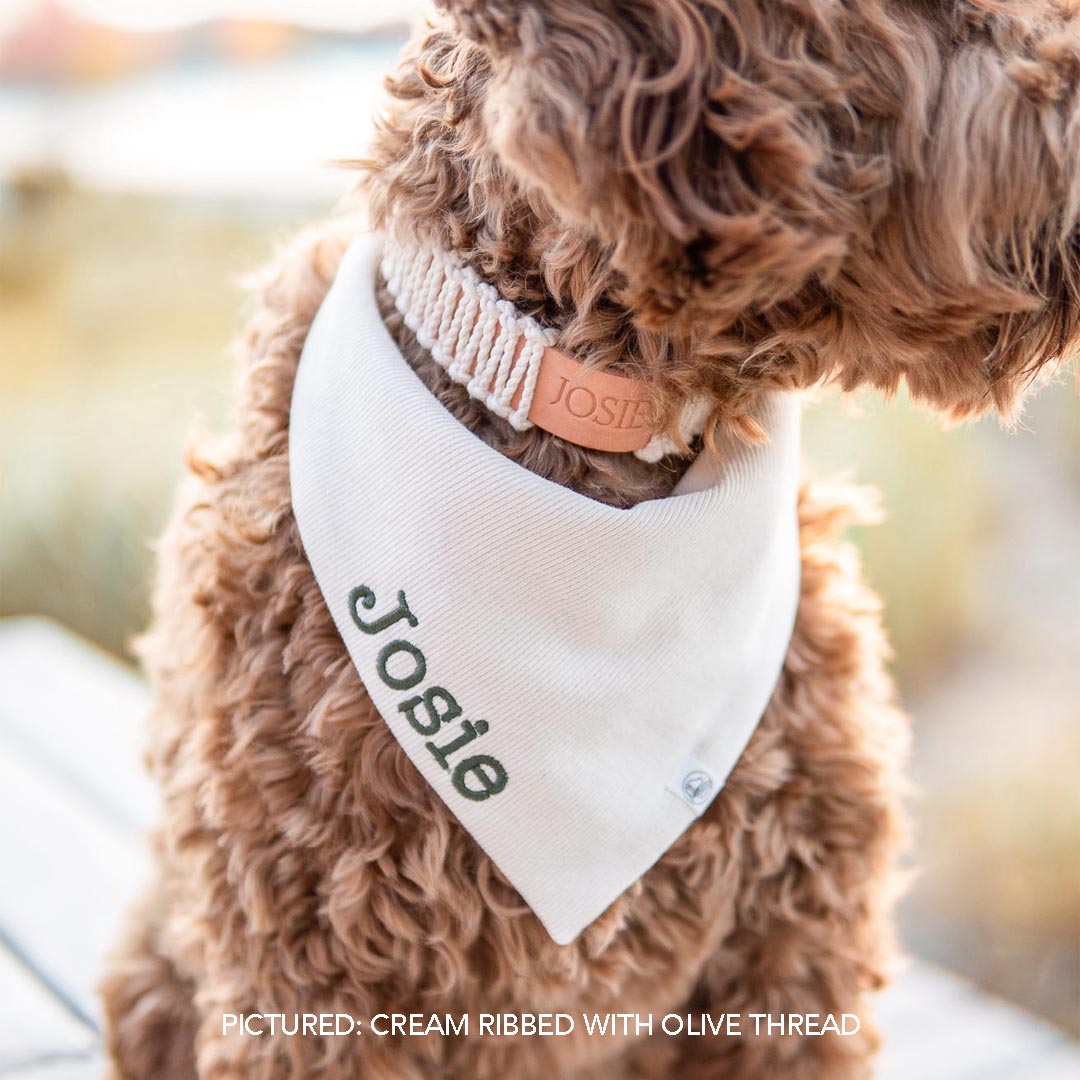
500 373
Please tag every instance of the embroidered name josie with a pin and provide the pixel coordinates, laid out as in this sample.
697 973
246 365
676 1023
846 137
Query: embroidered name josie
476 776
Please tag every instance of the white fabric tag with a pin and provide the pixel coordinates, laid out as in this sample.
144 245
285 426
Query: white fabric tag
695 783
557 669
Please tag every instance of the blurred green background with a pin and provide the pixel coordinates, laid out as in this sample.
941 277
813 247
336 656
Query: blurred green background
142 178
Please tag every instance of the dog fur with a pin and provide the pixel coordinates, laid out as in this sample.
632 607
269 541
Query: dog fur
721 197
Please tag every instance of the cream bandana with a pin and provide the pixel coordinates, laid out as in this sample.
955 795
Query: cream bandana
574 680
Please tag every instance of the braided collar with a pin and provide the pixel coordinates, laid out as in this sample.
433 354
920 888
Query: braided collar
509 361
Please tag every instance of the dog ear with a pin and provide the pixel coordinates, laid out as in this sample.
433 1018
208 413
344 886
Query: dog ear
968 282
866 192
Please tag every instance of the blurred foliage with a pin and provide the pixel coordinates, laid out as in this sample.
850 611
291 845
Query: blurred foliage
934 491
1000 896
117 314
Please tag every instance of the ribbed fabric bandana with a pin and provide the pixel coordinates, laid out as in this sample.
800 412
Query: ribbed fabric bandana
575 681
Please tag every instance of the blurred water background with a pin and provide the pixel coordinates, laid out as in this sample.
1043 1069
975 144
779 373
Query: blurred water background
151 153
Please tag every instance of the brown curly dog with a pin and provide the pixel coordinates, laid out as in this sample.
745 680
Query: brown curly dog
722 197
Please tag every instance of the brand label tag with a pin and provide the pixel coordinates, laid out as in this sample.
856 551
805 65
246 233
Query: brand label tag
695 784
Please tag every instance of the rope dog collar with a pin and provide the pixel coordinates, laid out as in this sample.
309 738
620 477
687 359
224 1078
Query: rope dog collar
573 680
508 360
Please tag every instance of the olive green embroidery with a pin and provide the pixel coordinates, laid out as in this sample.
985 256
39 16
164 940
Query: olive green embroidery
469 731
433 694
367 598
486 769
477 777
419 665
489 772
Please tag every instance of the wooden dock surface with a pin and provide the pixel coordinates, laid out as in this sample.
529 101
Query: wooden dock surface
73 802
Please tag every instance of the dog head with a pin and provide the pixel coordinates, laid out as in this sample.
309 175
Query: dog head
868 191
